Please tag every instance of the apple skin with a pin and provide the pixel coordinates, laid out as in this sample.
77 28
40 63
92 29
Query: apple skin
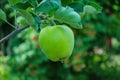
57 42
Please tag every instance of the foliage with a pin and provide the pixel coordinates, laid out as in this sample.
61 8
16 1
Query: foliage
97 43
5 70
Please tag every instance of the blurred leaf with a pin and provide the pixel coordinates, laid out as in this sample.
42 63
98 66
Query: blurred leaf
21 6
96 6
29 18
47 6
88 9
20 21
96 58
13 2
38 20
24 1
34 3
66 2
77 5
2 15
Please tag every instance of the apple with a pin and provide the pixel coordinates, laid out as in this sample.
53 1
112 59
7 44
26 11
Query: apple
57 42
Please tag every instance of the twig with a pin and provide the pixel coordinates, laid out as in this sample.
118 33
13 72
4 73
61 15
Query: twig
10 24
2 45
13 33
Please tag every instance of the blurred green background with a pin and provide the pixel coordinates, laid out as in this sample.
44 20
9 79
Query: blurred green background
96 55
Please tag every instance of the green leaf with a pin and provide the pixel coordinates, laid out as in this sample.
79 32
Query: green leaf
21 5
13 2
29 18
47 6
2 15
34 3
69 16
96 6
77 5
88 9
66 2
24 1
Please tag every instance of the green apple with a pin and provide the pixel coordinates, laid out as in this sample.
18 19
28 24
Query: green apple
57 42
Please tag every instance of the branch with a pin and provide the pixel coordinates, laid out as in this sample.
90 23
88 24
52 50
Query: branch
13 33
2 45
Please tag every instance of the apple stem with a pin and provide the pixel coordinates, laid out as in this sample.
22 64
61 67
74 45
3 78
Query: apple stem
62 61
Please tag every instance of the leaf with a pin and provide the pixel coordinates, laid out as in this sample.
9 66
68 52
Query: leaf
33 2
77 5
29 18
66 2
88 9
69 16
96 6
21 5
13 2
24 1
2 15
47 6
